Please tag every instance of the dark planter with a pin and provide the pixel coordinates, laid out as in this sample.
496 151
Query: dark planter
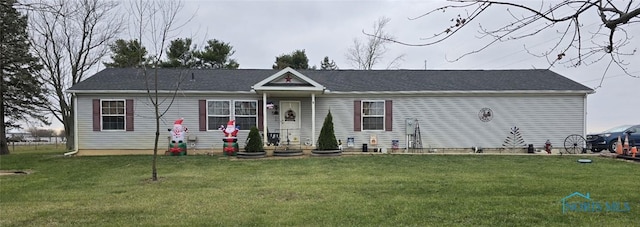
326 153
250 155
287 153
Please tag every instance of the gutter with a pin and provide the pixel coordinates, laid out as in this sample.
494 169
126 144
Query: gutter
75 126
159 92
456 92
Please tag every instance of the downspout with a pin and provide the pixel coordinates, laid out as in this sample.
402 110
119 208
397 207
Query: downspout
584 114
75 126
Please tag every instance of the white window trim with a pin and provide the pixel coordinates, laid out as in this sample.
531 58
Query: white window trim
233 112
362 115
124 101
211 115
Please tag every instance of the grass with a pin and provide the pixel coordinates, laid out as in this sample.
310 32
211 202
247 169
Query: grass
381 190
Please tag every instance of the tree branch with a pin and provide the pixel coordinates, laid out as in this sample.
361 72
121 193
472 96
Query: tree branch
611 17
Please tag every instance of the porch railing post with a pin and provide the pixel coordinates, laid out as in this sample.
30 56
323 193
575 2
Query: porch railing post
264 118
313 119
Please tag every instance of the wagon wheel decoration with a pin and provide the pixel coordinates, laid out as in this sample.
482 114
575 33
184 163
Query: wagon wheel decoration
574 144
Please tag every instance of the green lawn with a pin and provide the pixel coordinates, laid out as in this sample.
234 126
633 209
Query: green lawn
380 190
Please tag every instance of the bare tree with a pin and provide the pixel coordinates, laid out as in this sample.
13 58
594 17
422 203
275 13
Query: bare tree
70 38
40 132
365 55
155 22
577 44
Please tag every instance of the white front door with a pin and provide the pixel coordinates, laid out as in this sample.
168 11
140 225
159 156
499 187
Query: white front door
289 122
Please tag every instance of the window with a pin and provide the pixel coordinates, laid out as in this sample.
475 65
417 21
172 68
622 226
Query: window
217 114
246 114
113 114
373 115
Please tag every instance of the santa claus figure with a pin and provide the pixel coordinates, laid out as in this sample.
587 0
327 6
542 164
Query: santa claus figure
231 130
178 132
230 140
177 146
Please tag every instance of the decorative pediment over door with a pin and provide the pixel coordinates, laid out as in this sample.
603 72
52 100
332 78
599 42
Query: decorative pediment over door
288 79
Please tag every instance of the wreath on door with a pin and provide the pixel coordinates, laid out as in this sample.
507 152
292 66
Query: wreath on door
290 116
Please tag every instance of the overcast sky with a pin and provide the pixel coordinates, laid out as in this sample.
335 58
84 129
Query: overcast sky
261 30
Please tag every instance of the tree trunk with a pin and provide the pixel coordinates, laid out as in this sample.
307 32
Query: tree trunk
4 146
68 132
154 175
69 125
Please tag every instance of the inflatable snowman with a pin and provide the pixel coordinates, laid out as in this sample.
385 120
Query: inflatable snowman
177 145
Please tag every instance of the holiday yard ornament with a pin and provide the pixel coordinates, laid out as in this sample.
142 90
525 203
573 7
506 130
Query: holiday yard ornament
177 146
230 146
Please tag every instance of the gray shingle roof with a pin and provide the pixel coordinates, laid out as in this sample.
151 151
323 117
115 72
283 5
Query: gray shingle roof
129 79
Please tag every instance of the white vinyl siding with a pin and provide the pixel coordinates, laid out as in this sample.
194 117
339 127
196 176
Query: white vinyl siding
445 121
143 137
453 121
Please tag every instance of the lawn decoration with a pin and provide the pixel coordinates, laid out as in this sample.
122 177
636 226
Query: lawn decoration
327 143
514 140
230 146
177 146
547 147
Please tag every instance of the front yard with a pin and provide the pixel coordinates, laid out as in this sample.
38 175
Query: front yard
380 190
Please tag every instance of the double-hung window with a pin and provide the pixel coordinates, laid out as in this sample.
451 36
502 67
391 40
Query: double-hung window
218 114
246 114
373 115
113 114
